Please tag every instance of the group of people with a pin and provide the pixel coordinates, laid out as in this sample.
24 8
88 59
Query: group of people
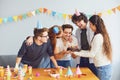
56 46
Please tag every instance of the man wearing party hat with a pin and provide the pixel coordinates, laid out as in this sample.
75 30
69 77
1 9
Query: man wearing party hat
38 53
84 36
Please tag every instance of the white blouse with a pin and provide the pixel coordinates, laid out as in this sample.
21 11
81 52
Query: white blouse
96 52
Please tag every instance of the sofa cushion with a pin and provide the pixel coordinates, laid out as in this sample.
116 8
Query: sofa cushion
7 60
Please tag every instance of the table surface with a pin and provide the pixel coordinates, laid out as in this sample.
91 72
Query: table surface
44 75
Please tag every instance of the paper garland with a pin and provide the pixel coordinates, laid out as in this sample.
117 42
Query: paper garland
52 13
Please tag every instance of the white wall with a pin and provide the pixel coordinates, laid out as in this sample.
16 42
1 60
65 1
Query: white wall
12 34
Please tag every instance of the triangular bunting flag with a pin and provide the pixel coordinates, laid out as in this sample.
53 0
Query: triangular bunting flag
109 11
1 20
29 14
114 10
53 13
24 16
44 10
100 14
41 10
69 16
118 8
59 15
64 16
10 19
37 11
15 18
33 13
20 17
48 12
5 20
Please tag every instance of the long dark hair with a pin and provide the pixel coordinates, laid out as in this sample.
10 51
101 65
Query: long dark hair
53 35
100 28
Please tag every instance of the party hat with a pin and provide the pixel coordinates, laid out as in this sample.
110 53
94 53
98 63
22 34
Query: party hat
21 74
69 72
8 70
56 30
39 25
78 72
60 71
8 73
77 13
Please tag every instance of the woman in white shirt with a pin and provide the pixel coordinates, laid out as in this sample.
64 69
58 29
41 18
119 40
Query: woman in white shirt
101 50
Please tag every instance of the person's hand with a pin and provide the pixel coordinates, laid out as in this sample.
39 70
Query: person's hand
73 55
58 67
16 68
68 52
29 41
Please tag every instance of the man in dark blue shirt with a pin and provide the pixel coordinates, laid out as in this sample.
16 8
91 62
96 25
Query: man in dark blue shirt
37 55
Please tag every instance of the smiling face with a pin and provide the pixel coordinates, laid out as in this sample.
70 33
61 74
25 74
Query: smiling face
80 20
44 37
67 33
81 24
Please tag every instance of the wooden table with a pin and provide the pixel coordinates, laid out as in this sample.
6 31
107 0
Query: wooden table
87 75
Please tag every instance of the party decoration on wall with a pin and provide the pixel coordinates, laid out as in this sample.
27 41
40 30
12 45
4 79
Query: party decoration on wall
52 13
66 20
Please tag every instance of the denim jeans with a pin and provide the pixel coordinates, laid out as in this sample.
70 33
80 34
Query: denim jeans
104 72
91 66
64 63
44 63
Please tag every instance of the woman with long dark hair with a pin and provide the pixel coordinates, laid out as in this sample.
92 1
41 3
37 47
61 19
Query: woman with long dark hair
101 50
